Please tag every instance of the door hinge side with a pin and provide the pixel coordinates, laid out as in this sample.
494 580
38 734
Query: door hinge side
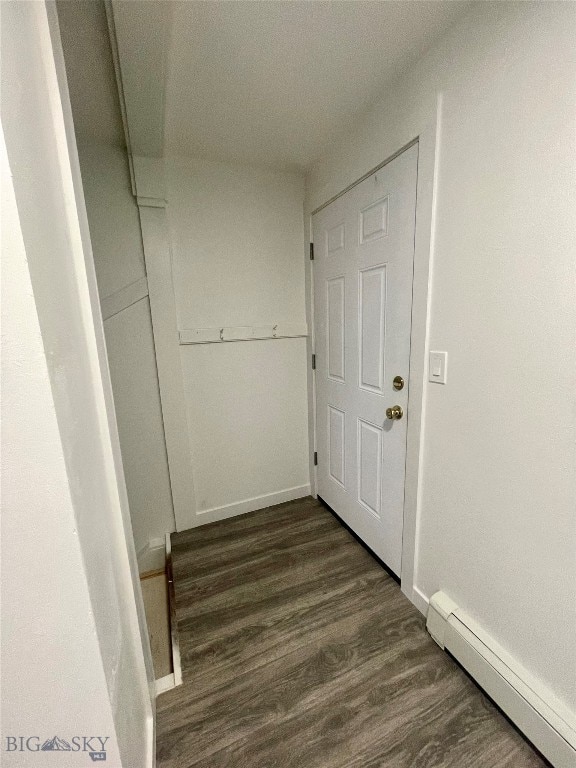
313 362
315 458
311 251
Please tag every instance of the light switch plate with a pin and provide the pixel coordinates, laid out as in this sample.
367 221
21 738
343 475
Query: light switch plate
437 367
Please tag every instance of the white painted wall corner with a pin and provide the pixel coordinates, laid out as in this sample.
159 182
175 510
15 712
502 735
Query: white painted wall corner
152 556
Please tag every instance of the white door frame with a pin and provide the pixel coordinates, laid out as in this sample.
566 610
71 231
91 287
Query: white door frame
54 224
427 140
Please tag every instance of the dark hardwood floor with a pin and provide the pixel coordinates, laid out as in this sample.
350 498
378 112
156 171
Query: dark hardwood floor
299 650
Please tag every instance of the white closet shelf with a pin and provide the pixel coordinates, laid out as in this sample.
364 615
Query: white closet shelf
242 333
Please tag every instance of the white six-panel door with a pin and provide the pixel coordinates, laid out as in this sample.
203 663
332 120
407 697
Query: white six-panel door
364 253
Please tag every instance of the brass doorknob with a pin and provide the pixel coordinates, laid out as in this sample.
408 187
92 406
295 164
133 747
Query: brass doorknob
395 412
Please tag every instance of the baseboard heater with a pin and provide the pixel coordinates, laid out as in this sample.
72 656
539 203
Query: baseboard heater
532 707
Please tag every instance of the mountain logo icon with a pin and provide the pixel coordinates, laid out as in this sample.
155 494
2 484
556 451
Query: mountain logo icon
56 745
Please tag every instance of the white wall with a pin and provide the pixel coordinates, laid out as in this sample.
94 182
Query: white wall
237 235
112 216
119 261
49 646
496 525
37 125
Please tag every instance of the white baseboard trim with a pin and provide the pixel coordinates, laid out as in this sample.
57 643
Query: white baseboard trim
251 505
533 707
152 556
174 638
164 684
419 599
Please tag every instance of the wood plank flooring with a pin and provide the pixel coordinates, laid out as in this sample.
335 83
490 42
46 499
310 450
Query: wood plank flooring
300 651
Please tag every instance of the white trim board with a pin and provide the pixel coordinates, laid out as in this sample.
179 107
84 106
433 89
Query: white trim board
176 658
528 703
157 254
242 333
428 155
420 601
124 298
140 33
251 505
165 683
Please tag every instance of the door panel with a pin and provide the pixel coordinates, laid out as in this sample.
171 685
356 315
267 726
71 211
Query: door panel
374 221
335 292
372 336
364 250
335 239
370 466
336 445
